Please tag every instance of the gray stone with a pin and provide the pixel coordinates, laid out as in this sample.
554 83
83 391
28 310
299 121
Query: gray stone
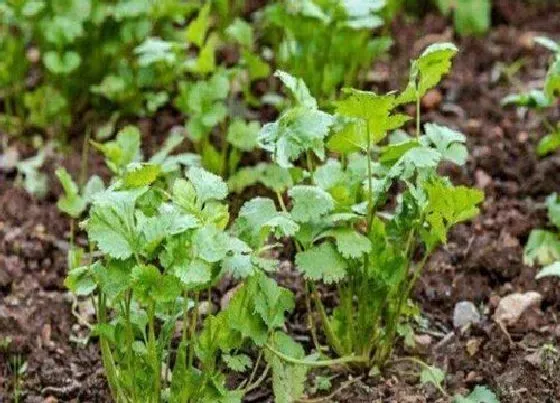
465 313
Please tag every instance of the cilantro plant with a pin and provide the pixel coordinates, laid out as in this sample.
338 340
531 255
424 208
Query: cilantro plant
541 99
369 219
470 17
327 43
158 244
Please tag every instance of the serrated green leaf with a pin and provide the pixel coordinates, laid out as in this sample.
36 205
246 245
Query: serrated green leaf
207 185
427 71
310 203
298 88
197 29
349 242
138 175
241 31
449 143
272 302
323 263
210 244
194 273
238 362
124 150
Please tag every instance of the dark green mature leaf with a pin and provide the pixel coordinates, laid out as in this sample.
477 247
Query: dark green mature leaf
215 336
543 248
241 313
426 72
323 263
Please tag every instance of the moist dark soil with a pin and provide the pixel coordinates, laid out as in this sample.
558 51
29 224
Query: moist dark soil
481 263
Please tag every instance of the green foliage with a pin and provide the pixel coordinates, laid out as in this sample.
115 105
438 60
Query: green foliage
480 394
348 232
544 98
543 246
470 17
160 238
328 44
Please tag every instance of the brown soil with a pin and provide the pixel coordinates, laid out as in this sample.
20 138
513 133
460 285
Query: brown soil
481 262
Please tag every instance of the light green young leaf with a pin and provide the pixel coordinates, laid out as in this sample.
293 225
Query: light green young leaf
124 150
449 143
323 263
243 135
432 375
138 175
310 203
237 362
242 32
549 143
373 109
64 63
207 185
298 88
472 17
552 82
446 206
480 394
197 29
210 244
71 202
155 50
543 248
426 72
272 302
553 209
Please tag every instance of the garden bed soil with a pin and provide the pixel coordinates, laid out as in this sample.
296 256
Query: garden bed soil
481 263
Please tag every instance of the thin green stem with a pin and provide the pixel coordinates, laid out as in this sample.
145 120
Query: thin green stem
153 354
310 321
329 332
417 115
349 359
192 328
129 342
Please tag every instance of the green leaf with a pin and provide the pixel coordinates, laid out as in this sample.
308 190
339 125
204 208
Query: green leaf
271 302
257 67
552 270
124 150
349 242
81 280
71 202
298 88
214 337
138 175
155 50
258 217
552 82
472 16
288 380
310 203
193 274
243 135
532 99
446 206
480 394
549 143
427 71
210 244
241 315
197 29
64 63
322 262
111 223
432 375
241 32
207 185
553 209
238 362
449 143
543 248
373 109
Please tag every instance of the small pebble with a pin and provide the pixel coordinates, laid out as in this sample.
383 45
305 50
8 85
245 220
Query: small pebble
465 313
